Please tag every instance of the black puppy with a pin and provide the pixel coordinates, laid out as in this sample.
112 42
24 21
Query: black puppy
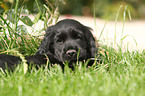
10 62
65 40
68 40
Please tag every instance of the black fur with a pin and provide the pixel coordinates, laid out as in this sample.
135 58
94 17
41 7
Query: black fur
10 62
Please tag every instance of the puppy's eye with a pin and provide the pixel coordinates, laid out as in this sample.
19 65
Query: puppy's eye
59 40
78 36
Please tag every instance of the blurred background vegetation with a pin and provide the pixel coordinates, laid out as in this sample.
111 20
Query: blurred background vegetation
100 8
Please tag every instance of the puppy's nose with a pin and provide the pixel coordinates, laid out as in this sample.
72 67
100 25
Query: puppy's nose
71 53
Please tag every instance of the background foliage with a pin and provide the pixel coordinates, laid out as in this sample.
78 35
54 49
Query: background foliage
103 8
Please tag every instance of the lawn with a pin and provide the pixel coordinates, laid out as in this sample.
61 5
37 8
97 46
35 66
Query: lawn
125 77
122 73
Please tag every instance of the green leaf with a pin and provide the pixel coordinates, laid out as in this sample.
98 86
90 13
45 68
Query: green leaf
25 11
37 18
11 16
124 37
26 20
22 29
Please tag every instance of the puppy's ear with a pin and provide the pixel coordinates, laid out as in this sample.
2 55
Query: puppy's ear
93 51
46 42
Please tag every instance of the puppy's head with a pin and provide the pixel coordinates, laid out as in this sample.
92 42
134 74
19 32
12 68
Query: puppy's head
68 40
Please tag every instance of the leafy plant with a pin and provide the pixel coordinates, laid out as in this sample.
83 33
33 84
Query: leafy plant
16 35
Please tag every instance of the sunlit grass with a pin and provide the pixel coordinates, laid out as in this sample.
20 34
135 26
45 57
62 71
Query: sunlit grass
125 77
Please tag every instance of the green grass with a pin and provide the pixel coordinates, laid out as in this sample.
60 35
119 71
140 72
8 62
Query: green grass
125 77
120 74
